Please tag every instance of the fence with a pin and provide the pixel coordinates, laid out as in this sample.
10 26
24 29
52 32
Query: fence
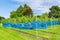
31 25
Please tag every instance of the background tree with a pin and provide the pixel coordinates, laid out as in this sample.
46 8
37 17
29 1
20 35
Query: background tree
19 11
28 11
54 12
13 14
22 11
1 18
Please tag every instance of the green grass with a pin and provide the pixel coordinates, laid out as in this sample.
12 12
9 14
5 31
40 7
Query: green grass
52 32
6 34
53 29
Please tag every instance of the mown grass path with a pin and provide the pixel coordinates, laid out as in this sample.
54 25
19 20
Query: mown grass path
29 35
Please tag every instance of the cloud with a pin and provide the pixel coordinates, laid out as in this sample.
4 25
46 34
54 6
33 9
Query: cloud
40 5
19 0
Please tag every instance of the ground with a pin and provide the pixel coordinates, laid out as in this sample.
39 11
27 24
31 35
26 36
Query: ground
50 33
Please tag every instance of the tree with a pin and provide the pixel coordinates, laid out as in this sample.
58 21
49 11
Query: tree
21 11
44 15
13 14
27 11
54 12
1 18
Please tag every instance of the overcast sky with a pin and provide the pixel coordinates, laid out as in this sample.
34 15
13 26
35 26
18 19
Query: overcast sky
38 6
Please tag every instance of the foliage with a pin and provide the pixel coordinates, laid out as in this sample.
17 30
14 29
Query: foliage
13 14
1 18
43 17
20 19
25 14
21 11
54 12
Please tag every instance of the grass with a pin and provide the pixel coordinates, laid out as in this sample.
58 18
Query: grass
6 34
52 33
55 30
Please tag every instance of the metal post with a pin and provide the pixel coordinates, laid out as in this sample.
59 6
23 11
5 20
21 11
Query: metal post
36 30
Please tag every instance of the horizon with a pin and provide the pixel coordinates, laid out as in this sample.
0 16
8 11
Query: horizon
38 6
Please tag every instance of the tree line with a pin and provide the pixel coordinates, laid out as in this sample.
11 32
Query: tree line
27 12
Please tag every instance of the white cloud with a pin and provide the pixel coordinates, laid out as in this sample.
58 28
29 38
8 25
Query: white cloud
42 5
19 0
34 4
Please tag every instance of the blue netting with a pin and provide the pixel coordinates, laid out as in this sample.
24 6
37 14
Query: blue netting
31 25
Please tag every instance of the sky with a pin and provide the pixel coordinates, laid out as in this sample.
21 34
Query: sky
38 6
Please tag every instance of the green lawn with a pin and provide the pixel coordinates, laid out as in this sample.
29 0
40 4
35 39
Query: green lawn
11 35
6 34
52 33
